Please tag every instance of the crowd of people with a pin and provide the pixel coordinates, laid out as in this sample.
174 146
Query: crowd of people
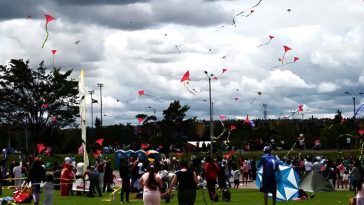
153 180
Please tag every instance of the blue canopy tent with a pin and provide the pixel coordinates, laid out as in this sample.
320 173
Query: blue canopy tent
118 155
287 182
141 154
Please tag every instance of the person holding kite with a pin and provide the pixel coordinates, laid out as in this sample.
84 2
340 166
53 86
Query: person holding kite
269 181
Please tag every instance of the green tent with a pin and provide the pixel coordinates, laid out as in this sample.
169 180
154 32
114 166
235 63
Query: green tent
315 182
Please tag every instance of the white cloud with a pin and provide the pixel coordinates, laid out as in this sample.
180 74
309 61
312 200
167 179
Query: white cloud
127 57
326 87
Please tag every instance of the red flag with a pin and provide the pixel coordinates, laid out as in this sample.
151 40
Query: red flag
40 148
286 48
100 141
247 121
54 52
186 77
141 92
300 108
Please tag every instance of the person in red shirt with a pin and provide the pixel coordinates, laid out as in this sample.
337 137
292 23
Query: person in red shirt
211 170
66 180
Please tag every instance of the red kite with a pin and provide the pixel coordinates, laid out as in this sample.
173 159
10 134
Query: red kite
40 148
286 49
300 108
48 19
266 43
141 92
100 141
186 77
247 121
140 120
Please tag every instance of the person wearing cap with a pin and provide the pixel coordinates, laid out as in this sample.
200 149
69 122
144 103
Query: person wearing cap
270 167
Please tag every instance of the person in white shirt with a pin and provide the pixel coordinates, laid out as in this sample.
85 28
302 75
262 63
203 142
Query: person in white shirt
308 166
236 176
17 175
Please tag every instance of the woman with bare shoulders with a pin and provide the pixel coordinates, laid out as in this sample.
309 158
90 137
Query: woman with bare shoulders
151 183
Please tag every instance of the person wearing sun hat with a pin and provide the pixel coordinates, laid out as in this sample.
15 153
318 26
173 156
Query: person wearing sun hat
270 167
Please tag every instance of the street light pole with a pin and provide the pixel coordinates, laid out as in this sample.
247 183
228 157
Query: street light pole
211 118
100 85
92 111
354 99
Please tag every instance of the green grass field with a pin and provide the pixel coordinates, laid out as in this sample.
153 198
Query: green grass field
238 197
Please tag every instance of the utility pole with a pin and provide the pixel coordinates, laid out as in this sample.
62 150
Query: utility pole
100 85
211 118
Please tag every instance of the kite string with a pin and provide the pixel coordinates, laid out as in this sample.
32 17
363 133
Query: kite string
294 145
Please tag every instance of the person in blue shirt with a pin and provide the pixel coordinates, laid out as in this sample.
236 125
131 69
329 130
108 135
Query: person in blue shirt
270 167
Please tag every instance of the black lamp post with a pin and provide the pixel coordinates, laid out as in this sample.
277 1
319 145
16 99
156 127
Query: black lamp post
209 76
354 99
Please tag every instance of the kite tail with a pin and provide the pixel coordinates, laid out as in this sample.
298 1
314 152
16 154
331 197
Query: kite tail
361 151
283 58
45 40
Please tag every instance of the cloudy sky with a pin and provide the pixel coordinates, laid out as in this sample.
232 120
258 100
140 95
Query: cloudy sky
131 45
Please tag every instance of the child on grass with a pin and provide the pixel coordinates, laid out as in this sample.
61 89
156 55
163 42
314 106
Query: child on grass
236 176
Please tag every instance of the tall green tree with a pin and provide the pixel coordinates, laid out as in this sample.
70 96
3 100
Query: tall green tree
174 128
36 97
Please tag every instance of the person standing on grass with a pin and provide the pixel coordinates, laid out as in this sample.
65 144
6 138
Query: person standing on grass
125 176
37 174
108 178
245 170
48 189
270 167
356 176
211 170
151 183
236 176
93 175
187 181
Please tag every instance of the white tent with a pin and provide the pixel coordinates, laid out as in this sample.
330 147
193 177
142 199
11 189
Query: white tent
194 143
